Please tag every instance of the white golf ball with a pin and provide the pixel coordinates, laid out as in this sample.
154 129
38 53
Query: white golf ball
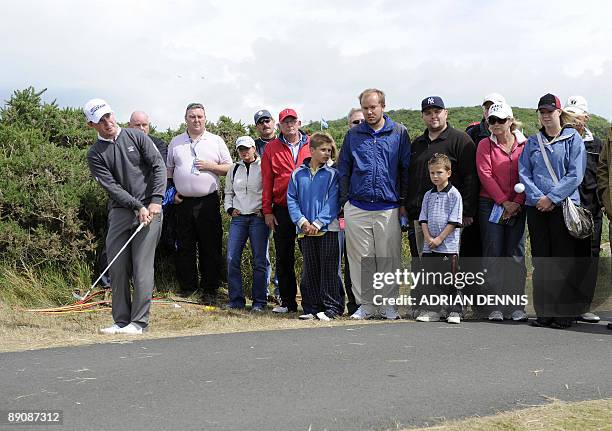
519 187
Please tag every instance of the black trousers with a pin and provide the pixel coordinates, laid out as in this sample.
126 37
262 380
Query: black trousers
351 304
321 288
435 289
589 267
284 243
199 243
562 266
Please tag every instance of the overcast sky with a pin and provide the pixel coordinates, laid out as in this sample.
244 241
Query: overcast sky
315 56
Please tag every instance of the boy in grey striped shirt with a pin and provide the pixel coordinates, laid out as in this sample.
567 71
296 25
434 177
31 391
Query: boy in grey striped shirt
440 218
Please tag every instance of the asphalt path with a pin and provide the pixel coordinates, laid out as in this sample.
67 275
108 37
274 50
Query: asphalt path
336 378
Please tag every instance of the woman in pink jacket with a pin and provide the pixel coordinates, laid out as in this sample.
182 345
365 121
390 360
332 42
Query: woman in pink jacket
501 215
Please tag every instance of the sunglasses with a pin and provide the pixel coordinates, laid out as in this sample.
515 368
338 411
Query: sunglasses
264 121
495 120
356 122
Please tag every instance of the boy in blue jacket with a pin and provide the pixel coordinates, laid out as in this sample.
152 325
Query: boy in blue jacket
312 199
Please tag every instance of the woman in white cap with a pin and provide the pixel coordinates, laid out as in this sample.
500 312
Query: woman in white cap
578 106
501 214
554 250
243 189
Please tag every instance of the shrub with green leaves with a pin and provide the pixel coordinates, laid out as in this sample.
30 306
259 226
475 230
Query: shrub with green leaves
51 211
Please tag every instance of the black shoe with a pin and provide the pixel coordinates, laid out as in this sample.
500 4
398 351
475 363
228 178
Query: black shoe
351 308
609 325
542 322
561 323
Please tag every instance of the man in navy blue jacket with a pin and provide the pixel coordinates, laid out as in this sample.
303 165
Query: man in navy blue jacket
373 168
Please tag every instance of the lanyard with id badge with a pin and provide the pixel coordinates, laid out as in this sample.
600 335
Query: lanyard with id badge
192 145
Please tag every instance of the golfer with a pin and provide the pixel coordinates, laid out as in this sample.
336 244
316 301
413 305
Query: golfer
126 163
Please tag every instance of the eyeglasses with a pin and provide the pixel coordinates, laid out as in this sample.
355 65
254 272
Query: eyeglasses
495 120
264 121
356 122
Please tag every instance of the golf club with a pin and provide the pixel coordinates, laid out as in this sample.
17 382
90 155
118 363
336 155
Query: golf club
81 298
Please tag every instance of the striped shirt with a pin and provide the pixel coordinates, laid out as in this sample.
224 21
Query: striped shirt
439 209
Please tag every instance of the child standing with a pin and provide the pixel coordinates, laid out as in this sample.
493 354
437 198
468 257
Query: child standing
312 199
440 218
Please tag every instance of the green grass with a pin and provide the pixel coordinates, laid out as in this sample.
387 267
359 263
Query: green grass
595 415
34 287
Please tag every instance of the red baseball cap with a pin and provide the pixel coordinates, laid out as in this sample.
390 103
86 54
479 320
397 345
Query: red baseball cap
287 112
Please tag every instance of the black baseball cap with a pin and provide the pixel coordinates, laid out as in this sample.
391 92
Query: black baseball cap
264 113
432 102
549 102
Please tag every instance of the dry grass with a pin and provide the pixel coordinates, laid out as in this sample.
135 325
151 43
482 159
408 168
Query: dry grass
558 415
21 330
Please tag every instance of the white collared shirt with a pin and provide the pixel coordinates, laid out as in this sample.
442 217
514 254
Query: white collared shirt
182 152
110 140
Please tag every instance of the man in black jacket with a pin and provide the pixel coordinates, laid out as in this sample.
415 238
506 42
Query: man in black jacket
440 137
266 129
140 120
578 106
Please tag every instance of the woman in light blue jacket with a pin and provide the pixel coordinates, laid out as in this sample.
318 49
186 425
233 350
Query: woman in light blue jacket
554 250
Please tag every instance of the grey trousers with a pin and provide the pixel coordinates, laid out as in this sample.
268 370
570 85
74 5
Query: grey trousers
135 263
373 244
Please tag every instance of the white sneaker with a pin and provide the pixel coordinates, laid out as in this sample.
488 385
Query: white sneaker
496 316
280 310
519 316
131 329
428 316
308 316
111 330
390 313
322 316
361 314
453 317
589 317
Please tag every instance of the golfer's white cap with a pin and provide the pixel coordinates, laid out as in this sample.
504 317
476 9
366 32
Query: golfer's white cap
95 109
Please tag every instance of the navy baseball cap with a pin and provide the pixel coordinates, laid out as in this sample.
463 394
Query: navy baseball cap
432 102
264 113
550 102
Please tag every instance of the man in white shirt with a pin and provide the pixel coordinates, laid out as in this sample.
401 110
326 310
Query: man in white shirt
195 161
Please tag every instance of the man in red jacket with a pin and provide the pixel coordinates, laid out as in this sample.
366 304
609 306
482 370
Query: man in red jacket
281 157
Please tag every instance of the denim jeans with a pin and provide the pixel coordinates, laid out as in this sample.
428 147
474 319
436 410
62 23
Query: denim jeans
503 249
254 229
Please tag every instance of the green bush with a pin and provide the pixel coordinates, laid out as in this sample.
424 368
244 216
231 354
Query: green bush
51 212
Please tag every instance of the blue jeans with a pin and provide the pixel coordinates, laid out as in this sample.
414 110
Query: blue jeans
503 249
254 229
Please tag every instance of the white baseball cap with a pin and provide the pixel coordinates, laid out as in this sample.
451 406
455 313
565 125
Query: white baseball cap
577 105
495 98
245 141
501 110
95 109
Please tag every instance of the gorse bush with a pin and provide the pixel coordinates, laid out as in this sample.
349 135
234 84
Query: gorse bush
51 212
